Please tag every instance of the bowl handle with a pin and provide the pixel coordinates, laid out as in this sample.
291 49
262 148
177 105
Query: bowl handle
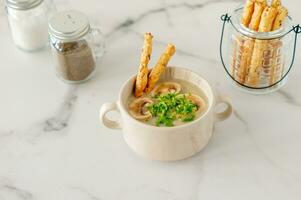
106 108
221 116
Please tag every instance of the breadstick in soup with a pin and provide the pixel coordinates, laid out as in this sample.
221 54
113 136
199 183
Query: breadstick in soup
247 13
142 76
160 67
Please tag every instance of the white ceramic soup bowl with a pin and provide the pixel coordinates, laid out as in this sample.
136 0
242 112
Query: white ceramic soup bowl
167 143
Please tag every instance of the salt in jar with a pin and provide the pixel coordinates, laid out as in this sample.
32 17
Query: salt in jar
28 20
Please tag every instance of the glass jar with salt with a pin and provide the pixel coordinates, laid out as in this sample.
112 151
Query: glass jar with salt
75 46
28 21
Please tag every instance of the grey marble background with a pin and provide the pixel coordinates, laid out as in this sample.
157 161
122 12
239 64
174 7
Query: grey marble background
52 145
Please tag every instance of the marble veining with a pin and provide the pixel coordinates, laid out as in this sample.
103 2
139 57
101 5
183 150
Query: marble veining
241 120
58 123
88 194
9 191
54 124
130 21
289 98
52 145
259 148
60 120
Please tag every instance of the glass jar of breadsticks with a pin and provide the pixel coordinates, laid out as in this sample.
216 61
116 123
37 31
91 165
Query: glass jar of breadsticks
258 51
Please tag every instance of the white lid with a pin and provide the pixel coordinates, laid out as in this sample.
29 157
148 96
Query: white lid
23 4
68 25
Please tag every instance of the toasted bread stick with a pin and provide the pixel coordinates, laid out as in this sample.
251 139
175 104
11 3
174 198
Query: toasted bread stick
248 45
267 19
160 67
245 59
258 10
142 76
247 12
239 41
277 68
266 23
282 13
276 3
237 48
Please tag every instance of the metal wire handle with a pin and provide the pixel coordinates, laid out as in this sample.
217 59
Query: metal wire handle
227 19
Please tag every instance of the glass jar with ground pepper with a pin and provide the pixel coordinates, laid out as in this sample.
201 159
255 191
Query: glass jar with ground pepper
75 46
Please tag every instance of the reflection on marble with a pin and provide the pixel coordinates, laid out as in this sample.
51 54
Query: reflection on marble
52 145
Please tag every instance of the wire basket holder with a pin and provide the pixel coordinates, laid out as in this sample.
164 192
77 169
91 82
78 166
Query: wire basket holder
226 19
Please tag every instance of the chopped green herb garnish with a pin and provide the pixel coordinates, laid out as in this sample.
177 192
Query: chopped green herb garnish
170 107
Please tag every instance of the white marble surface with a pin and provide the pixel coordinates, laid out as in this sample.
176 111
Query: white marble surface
52 145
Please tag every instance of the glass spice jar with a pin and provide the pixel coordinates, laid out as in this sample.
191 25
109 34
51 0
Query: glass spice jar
28 20
75 46
257 62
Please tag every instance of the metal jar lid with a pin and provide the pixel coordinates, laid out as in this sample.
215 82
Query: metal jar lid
68 25
22 4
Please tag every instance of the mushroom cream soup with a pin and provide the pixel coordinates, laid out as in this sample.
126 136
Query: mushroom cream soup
170 103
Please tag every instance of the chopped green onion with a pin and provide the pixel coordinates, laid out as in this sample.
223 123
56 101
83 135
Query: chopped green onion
170 107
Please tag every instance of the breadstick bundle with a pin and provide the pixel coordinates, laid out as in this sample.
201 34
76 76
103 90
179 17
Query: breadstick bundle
146 81
260 61
250 18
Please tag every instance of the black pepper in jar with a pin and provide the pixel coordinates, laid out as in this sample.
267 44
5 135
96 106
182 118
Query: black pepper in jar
73 44
75 61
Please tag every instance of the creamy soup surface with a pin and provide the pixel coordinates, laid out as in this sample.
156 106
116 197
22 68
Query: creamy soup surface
171 103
